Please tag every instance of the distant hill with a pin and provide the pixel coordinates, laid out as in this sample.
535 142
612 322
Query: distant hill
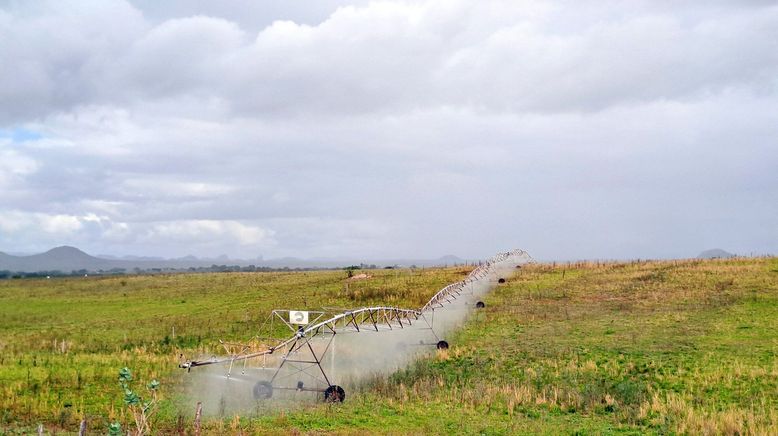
716 253
57 259
450 259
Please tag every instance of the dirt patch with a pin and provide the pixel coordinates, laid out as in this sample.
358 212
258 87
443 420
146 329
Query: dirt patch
358 277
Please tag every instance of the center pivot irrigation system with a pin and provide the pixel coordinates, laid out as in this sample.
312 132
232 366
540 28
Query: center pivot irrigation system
301 358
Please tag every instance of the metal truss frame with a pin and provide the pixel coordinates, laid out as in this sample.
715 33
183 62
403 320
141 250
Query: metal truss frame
375 319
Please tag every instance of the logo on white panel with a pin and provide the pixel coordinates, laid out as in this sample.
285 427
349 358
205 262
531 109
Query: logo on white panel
299 317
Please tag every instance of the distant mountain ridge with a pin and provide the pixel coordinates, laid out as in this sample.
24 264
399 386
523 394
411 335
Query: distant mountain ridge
67 259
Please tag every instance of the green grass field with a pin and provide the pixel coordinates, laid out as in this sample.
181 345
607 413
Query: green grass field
649 347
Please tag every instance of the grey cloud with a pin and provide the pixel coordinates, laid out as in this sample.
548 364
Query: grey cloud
249 14
390 57
55 51
176 57
391 130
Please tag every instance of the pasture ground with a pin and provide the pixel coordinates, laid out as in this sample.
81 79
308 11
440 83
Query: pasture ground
589 348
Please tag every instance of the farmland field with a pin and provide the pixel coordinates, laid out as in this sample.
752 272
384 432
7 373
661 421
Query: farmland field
657 347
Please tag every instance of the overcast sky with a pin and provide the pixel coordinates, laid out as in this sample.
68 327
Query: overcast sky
337 129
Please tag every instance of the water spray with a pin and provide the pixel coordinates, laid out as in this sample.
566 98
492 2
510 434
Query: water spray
322 356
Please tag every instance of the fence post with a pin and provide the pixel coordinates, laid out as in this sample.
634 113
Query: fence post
82 428
198 413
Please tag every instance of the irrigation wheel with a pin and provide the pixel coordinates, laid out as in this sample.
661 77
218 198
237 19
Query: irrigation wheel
263 390
334 394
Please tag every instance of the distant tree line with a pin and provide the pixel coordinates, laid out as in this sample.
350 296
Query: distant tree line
5 274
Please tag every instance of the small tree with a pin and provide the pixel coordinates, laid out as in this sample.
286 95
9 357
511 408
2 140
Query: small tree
350 270
141 410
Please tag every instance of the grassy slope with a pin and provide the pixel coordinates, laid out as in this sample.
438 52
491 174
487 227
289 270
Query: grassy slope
107 323
657 347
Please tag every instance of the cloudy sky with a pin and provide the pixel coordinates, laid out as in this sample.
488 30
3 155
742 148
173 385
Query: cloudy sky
604 129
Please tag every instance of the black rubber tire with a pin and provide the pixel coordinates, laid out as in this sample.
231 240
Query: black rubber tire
501 280
442 345
334 394
480 305
263 390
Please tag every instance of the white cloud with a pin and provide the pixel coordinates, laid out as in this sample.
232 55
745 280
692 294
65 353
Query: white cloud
15 169
332 237
14 164
94 231
12 221
61 224
164 187
16 221
207 231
